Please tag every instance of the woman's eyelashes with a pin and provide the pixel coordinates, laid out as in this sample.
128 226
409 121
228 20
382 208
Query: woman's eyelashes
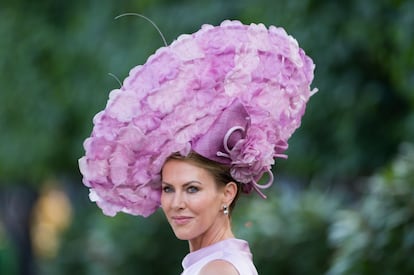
167 189
192 189
189 189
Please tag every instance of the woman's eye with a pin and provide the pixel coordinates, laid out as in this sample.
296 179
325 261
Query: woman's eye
167 189
192 189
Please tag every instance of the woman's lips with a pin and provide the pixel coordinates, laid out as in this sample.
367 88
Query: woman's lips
181 220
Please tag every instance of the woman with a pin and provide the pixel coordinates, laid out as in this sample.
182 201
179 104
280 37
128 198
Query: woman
197 198
202 120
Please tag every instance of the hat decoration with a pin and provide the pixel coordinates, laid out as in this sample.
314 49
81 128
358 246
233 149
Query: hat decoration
233 93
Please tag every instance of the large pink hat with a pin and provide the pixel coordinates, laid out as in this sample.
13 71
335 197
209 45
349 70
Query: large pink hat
233 93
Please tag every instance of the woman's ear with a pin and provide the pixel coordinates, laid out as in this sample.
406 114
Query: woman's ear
230 192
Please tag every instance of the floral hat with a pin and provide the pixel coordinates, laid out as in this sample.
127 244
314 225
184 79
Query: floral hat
233 93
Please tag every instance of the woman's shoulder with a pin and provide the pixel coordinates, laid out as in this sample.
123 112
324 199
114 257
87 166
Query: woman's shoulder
219 266
230 256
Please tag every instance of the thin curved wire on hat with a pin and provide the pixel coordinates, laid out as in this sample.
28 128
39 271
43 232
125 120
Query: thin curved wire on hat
182 100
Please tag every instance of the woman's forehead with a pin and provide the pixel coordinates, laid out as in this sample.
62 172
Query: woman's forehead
183 171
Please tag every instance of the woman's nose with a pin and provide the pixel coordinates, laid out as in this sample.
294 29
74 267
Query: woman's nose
178 201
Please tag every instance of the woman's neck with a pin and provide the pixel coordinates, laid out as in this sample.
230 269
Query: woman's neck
213 235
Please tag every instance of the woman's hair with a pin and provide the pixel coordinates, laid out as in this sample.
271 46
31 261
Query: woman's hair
220 172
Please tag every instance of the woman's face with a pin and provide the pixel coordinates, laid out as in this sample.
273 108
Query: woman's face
191 200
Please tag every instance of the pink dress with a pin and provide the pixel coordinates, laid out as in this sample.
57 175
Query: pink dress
234 251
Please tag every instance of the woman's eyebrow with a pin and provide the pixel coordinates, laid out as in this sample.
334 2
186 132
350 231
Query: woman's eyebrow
185 184
192 182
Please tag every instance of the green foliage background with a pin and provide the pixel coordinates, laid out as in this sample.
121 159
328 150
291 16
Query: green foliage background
342 203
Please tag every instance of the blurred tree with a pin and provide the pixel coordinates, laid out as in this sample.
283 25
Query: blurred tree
55 56
364 108
288 231
377 237
8 255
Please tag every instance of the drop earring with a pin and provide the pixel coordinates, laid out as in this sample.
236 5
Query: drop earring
225 210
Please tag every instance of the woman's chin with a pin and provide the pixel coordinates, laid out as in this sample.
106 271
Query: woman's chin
182 236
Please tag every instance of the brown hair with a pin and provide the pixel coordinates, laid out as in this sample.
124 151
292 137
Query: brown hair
220 172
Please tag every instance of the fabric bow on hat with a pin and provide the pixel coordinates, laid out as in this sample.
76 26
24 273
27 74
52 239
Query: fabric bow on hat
226 142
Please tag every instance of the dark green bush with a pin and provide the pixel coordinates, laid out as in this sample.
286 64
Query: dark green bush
288 232
54 59
377 236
